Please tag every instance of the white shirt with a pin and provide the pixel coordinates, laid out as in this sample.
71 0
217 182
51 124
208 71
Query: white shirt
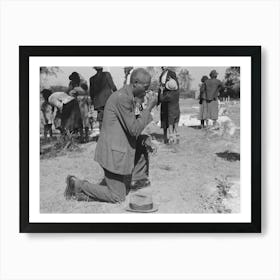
59 98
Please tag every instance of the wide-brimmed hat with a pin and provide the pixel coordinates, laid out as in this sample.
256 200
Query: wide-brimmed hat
141 202
171 84
213 73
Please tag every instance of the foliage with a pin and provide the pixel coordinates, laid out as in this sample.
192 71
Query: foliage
223 186
49 70
45 72
232 82
184 79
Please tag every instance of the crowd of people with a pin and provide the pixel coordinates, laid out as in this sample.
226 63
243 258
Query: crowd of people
123 146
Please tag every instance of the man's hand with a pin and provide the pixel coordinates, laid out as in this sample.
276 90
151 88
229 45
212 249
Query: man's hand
150 146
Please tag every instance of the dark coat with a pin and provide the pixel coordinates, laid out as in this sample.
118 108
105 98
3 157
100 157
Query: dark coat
213 87
101 87
115 150
169 99
170 108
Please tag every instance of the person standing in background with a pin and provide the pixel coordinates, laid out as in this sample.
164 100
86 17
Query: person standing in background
101 87
169 98
48 115
213 88
203 114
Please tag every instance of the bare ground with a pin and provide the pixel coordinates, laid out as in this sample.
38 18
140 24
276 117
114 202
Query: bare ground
183 176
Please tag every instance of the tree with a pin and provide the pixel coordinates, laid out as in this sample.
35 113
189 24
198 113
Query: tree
184 79
45 72
155 73
232 81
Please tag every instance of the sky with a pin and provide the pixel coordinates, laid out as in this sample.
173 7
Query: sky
118 75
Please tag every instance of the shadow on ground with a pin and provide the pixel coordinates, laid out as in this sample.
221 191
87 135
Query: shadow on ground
157 136
229 156
195 126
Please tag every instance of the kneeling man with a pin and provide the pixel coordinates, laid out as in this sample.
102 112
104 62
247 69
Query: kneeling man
116 146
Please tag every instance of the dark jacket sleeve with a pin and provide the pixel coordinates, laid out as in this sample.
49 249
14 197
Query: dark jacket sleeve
110 81
168 95
128 119
91 88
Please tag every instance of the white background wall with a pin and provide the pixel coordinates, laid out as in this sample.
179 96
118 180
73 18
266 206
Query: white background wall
156 256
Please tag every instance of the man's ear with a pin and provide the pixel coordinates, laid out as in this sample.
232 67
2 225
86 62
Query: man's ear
135 83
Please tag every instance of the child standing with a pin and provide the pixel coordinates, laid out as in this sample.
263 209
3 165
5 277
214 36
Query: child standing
47 110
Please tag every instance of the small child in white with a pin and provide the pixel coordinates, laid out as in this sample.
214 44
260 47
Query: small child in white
47 110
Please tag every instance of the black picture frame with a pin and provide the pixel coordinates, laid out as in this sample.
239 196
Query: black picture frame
25 52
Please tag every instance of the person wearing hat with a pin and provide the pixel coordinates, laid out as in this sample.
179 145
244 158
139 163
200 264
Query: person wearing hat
116 146
203 114
101 87
170 110
75 80
213 87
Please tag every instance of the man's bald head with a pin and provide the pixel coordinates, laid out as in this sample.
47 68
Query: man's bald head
140 75
140 81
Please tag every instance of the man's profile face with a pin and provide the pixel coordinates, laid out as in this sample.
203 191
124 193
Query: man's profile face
140 81
140 98
139 90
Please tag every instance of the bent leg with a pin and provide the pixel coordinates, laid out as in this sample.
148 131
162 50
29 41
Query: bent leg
165 138
115 191
141 161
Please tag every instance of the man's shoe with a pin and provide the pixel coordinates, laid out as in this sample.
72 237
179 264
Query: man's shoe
139 184
70 187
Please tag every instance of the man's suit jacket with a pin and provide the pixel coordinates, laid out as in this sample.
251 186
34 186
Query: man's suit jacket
101 87
213 86
115 150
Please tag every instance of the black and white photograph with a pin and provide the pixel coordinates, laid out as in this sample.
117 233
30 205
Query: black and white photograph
140 139
143 134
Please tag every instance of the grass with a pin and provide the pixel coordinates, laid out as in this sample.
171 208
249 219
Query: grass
182 176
